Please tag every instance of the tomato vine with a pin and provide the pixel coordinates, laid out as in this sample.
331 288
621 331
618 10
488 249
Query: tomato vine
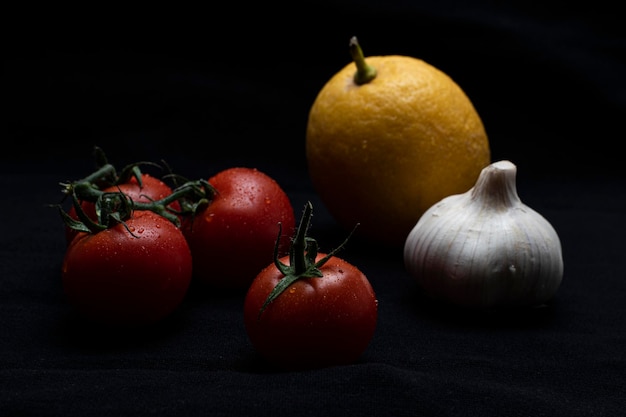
113 208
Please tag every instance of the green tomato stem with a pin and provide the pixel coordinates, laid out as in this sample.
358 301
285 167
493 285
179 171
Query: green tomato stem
116 207
302 258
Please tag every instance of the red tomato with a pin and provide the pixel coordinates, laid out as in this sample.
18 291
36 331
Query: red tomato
118 279
234 237
325 315
319 321
152 189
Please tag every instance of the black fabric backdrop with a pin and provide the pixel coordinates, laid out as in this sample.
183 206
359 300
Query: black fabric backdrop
232 85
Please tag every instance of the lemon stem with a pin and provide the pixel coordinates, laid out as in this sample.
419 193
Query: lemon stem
364 72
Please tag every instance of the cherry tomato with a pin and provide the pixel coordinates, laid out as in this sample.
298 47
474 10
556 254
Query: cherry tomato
121 279
310 310
152 188
234 237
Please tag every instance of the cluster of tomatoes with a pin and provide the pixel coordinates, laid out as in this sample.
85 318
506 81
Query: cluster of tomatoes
135 243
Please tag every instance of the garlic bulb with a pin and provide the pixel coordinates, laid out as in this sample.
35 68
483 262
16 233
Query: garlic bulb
485 248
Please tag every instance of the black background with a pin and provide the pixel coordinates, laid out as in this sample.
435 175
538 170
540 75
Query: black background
209 87
237 81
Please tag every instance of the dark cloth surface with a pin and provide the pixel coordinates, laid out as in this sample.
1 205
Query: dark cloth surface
209 90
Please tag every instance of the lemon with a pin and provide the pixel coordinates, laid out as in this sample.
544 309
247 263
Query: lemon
386 138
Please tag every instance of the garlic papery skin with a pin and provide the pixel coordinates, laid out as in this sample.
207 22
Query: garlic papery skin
485 248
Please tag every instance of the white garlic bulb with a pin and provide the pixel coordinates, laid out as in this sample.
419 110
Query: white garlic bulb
485 248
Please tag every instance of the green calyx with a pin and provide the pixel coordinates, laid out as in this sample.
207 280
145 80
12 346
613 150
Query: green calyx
302 257
365 73
113 208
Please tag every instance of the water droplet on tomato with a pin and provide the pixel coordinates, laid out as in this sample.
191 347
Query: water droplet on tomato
292 290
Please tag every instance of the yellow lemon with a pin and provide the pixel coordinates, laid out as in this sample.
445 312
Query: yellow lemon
386 138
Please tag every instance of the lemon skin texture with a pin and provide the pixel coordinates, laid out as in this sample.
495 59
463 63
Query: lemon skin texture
381 153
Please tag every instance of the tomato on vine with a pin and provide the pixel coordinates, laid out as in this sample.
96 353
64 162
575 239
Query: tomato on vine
232 238
127 262
132 274
133 242
145 190
310 309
